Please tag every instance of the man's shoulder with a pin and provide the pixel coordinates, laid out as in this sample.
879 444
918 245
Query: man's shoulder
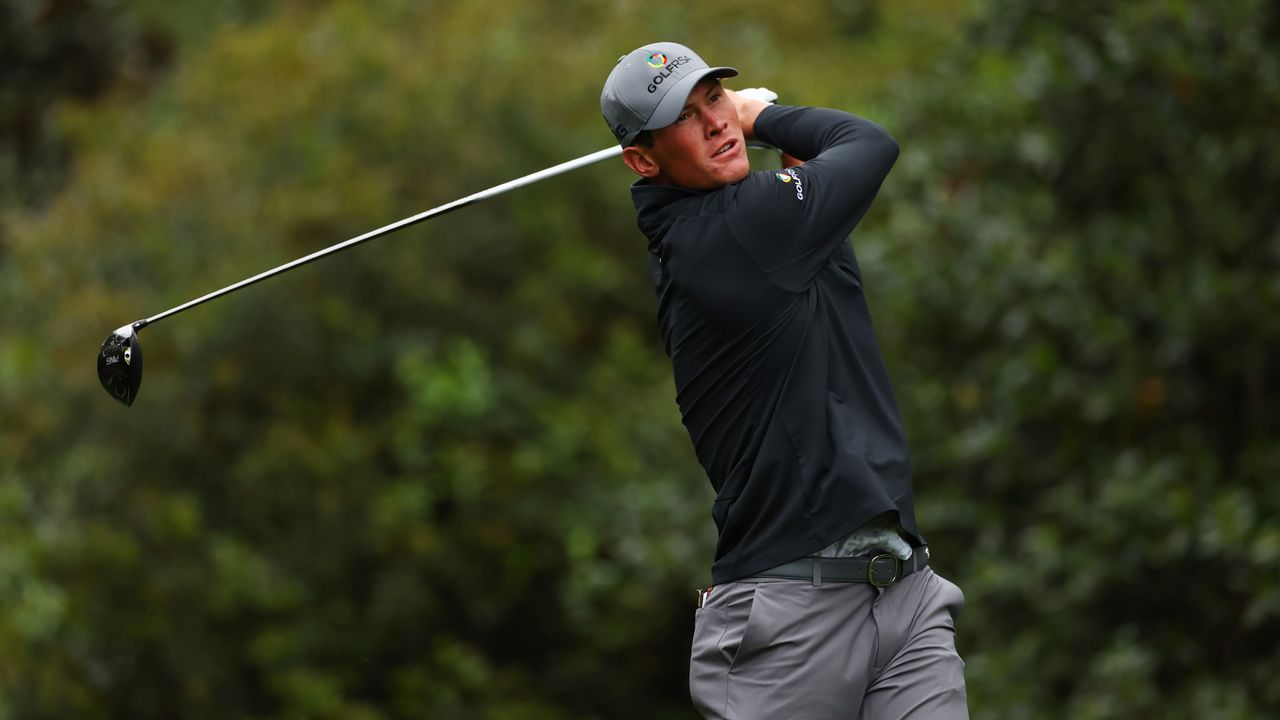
764 200
783 184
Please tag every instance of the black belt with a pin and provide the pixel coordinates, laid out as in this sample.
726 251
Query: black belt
881 571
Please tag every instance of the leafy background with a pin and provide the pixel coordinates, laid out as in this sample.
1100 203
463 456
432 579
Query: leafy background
443 475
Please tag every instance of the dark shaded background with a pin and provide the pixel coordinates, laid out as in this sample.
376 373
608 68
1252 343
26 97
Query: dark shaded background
444 476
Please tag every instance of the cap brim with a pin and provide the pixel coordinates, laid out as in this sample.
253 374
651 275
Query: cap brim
673 102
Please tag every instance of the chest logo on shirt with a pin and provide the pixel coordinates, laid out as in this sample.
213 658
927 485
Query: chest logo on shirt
791 177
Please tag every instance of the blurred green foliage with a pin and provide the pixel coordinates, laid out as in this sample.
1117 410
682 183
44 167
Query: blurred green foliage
444 476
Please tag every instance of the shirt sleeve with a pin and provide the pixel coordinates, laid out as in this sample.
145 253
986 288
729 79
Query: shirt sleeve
790 221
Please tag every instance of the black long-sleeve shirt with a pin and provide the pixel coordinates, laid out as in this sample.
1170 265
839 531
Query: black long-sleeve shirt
779 378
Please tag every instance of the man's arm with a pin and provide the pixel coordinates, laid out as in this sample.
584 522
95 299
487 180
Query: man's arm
791 222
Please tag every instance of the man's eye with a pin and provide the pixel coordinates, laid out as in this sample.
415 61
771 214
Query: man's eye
683 117
715 97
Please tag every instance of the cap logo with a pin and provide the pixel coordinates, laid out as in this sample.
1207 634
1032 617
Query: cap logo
665 71
656 59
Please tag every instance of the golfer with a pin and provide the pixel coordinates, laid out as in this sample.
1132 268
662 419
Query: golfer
822 603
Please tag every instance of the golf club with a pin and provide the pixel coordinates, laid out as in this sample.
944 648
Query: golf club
120 358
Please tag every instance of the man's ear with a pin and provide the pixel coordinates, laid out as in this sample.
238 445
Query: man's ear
641 160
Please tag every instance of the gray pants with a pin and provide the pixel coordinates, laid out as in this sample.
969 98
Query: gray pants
787 650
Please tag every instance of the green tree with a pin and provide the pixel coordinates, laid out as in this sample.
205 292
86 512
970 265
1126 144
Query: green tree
1080 265
444 476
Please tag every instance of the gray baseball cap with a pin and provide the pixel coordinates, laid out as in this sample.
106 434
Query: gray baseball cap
648 87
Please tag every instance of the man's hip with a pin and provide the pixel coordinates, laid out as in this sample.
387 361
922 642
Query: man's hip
880 645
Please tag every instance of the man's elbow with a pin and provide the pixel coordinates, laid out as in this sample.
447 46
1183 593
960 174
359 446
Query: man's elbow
886 148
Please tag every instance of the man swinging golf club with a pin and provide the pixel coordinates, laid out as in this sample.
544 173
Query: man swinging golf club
822 604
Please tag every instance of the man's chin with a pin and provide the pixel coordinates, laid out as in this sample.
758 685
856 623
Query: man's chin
737 172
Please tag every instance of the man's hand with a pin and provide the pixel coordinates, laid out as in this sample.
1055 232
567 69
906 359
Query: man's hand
760 93
749 106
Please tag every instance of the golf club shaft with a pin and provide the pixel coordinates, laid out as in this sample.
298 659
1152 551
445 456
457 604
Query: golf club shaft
494 191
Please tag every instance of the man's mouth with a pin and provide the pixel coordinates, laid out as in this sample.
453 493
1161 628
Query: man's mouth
725 148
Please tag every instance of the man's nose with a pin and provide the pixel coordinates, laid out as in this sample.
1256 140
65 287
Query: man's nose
715 124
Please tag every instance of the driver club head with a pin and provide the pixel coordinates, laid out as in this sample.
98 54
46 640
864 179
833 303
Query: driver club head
120 364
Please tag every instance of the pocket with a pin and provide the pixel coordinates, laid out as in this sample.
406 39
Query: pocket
708 666
722 624
709 626
759 629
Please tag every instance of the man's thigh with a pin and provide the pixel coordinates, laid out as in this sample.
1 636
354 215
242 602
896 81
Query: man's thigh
770 648
918 672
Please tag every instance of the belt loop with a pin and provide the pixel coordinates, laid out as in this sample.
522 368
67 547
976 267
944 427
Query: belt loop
817 571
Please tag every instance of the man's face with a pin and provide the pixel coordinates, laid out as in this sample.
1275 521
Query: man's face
704 148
